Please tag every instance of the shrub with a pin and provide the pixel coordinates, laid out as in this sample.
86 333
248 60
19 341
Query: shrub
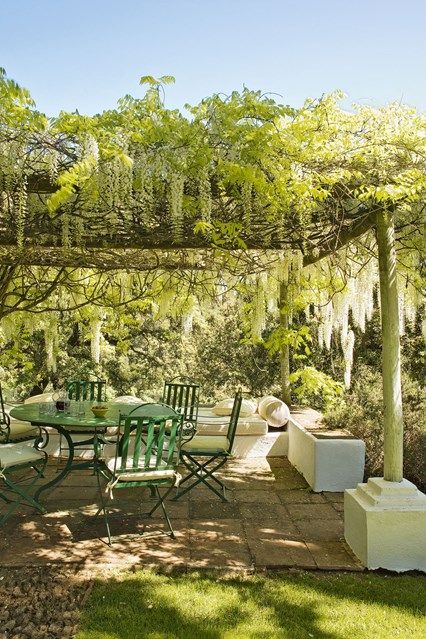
361 412
315 388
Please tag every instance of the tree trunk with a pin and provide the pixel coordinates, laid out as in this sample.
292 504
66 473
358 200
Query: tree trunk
285 349
391 362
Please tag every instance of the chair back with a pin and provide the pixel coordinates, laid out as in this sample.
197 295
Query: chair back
81 390
183 395
4 421
155 439
153 409
232 428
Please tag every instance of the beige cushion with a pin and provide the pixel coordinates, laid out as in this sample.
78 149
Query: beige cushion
18 429
263 402
127 399
210 444
142 475
210 424
274 411
15 454
22 430
223 408
45 397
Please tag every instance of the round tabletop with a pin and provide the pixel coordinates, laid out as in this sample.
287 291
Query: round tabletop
31 413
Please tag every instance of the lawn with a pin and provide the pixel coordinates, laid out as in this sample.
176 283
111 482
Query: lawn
293 606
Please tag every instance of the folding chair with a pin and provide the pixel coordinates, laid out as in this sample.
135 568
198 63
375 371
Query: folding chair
182 394
14 459
215 450
151 465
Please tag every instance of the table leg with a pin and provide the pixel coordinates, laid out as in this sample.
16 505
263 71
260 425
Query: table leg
64 472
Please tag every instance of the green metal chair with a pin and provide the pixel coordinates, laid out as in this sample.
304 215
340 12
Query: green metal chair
214 450
183 394
87 390
83 390
14 458
151 465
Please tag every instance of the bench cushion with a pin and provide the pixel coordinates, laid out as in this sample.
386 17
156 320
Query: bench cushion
210 424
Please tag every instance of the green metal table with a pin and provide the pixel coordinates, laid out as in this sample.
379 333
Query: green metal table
64 422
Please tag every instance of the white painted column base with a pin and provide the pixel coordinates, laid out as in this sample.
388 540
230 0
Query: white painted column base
385 524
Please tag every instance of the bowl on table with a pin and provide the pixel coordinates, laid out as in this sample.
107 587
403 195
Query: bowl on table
99 410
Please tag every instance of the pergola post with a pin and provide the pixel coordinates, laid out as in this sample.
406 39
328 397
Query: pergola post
385 518
391 359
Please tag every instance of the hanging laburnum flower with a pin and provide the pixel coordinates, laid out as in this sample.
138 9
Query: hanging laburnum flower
95 339
51 342
348 354
177 183
20 208
143 186
258 316
204 195
52 161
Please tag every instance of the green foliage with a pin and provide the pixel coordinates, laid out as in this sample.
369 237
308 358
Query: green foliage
297 338
313 387
282 172
361 413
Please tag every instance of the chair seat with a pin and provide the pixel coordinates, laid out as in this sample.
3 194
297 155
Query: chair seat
205 444
139 474
17 454
21 430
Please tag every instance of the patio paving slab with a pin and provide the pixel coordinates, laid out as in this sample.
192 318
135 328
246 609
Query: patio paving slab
313 511
257 496
272 549
300 497
270 521
334 497
320 529
213 510
219 544
332 555
260 512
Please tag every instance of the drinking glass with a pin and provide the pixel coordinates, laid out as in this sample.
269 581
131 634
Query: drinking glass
81 409
43 408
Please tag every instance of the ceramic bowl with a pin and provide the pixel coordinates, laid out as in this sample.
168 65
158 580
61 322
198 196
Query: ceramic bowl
99 411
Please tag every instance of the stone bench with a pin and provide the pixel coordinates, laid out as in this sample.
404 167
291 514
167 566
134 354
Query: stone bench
328 460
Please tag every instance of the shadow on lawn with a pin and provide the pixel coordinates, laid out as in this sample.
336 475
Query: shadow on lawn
198 607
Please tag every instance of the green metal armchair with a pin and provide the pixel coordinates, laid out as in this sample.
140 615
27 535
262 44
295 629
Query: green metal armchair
204 455
152 464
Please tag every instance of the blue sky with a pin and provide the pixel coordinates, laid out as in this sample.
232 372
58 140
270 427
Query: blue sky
85 54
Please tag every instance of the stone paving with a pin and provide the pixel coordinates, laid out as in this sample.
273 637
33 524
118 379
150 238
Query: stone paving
272 521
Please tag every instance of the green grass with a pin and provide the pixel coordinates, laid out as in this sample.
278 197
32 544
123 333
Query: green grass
290 606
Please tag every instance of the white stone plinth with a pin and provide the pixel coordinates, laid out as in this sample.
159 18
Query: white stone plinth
385 524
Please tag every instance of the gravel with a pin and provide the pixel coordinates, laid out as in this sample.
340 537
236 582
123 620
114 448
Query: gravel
41 602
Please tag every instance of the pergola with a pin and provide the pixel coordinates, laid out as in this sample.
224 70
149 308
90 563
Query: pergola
243 222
